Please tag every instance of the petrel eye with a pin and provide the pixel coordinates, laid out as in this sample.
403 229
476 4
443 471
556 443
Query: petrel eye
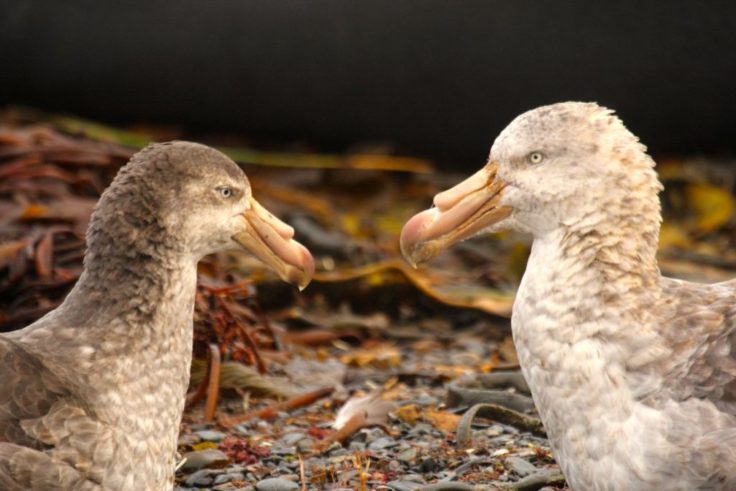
225 191
536 157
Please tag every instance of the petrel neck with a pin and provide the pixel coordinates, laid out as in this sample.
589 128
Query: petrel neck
598 271
619 251
147 289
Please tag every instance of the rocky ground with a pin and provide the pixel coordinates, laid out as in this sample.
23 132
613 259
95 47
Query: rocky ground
414 439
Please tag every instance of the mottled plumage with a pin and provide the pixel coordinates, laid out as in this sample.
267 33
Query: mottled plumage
633 374
92 394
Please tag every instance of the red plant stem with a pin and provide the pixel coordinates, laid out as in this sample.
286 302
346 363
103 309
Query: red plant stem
355 423
213 386
260 365
288 405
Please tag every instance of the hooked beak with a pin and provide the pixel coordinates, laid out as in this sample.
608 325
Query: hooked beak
271 240
458 213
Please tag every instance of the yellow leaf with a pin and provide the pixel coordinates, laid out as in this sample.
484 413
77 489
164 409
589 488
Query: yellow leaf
517 259
408 414
442 420
671 235
443 286
383 356
35 211
712 205
204 446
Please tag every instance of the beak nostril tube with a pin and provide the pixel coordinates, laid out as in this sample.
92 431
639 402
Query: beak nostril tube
271 241
457 214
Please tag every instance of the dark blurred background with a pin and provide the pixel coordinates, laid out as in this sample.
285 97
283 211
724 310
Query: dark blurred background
434 78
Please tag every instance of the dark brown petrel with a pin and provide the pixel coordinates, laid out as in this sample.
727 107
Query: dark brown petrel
92 394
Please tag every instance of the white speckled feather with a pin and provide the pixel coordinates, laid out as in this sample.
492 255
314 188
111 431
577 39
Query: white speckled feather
633 374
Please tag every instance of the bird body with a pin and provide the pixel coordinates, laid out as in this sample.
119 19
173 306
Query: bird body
93 392
633 373
120 404
606 380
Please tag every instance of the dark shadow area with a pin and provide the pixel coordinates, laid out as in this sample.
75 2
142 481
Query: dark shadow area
436 78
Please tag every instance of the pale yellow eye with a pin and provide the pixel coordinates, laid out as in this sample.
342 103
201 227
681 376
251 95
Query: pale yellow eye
536 157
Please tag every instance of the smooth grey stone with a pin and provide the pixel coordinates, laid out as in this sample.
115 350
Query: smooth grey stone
520 466
356 447
408 455
291 439
413 478
381 443
361 436
403 485
188 439
499 441
371 435
276 484
422 429
200 427
229 476
210 435
290 466
452 486
305 445
204 458
338 452
291 450
199 479
426 400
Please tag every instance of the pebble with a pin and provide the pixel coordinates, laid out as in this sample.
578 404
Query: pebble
210 435
290 465
494 430
408 455
243 429
204 458
291 439
229 476
427 400
413 478
428 465
188 439
369 435
422 429
199 479
276 484
283 450
520 466
338 452
305 445
500 440
362 437
356 447
381 443
404 485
